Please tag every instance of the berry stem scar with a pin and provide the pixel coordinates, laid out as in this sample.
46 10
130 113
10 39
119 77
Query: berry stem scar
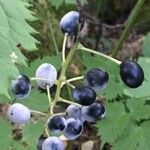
64 47
80 47
68 102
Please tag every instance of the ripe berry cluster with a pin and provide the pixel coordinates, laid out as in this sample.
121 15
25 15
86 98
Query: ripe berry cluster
85 106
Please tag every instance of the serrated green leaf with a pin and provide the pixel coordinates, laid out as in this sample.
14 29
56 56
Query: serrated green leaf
146 45
14 30
138 109
7 72
140 92
36 101
145 63
113 125
145 136
137 138
116 84
13 26
5 134
113 70
31 133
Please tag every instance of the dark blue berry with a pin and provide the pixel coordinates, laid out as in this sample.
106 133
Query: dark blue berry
74 129
97 79
84 95
56 124
69 22
21 86
93 112
131 74
74 111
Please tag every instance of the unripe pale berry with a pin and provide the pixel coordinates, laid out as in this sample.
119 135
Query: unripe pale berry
53 143
48 73
18 113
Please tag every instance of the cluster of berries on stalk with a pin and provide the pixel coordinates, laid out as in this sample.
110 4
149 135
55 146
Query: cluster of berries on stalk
85 107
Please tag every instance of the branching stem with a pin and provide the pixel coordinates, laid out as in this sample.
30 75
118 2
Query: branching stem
71 80
75 79
38 112
64 47
80 47
68 102
62 76
71 85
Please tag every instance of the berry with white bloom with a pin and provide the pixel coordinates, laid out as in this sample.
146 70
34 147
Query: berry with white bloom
18 114
46 74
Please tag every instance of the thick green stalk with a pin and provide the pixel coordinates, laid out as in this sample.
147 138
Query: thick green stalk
62 76
130 23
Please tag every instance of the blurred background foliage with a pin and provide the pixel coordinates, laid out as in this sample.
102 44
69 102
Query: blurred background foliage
104 23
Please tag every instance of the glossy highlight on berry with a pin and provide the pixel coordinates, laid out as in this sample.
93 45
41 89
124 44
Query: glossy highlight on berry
131 74
18 113
69 22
